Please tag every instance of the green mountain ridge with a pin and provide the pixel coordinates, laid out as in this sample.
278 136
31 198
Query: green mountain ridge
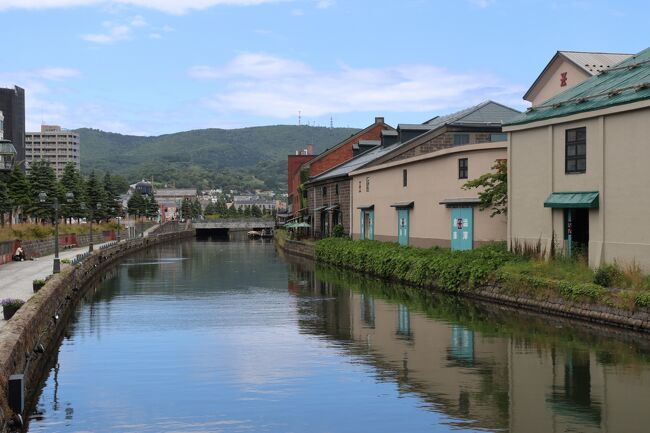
241 159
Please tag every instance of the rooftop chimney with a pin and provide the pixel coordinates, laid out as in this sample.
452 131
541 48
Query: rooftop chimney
310 149
379 120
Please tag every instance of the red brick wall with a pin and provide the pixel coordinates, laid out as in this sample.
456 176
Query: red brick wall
293 179
316 200
343 153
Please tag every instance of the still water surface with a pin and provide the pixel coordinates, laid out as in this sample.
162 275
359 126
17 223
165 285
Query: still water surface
231 337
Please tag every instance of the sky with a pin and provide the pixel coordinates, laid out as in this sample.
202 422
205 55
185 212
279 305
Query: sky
151 67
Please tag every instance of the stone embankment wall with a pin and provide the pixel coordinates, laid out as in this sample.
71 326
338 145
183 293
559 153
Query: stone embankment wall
43 318
637 319
297 248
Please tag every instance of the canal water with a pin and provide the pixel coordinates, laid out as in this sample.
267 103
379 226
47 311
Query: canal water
231 337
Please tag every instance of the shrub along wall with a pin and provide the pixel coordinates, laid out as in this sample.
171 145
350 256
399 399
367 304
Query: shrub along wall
479 274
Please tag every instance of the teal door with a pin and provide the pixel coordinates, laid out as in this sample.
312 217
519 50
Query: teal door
462 228
367 221
403 226
370 215
362 224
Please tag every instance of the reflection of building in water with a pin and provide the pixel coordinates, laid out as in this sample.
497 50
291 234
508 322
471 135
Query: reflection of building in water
482 381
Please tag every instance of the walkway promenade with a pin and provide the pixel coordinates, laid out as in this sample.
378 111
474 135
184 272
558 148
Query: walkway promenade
16 277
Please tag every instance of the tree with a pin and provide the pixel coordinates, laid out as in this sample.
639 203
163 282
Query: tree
95 196
210 209
112 202
72 182
186 209
151 207
197 209
5 205
494 185
42 179
221 208
19 193
136 204
256 211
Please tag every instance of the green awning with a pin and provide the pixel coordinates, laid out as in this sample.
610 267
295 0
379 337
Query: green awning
572 200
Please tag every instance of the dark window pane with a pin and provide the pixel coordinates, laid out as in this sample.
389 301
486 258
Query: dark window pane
581 134
571 135
582 164
582 149
570 150
571 165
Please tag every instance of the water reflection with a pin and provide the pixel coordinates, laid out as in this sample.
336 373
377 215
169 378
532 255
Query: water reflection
492 368
229 337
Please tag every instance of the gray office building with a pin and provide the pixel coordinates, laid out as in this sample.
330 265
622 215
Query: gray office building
12 105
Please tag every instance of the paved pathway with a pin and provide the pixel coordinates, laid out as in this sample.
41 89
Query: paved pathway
16 277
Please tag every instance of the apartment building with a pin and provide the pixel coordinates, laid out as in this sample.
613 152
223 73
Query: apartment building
52 144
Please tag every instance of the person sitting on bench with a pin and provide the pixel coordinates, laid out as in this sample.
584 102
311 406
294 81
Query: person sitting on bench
19 256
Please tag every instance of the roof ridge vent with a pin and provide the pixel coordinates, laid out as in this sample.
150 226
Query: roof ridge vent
557 105
614 92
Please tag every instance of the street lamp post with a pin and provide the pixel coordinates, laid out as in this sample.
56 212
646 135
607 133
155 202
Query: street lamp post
42 197
92 217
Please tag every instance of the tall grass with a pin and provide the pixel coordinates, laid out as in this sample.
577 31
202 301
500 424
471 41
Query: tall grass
30 231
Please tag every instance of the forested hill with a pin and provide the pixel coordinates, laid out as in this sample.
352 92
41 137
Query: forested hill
231 158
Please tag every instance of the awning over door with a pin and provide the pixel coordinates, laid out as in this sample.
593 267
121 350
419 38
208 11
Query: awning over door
403 205
461 202
333 207
572 200
366 207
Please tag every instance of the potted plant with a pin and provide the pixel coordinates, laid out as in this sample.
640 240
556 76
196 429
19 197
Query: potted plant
10 306
37 285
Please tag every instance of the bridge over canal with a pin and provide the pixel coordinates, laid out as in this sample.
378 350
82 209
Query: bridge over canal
225 227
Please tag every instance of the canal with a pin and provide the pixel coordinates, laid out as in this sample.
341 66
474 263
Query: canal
205 336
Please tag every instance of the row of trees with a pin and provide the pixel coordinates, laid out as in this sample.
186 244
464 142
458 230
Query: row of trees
92 197
222 210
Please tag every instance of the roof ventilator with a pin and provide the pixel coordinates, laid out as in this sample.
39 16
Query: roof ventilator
614 92
642 86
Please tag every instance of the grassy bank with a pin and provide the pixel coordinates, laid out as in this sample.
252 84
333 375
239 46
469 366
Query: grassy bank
28 232
460 271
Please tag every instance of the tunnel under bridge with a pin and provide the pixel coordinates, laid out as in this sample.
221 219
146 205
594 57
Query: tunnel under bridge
230 228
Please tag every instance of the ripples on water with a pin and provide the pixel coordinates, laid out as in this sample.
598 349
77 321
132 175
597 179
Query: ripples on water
229 337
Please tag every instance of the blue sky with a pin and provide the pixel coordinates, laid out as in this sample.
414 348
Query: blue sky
151 67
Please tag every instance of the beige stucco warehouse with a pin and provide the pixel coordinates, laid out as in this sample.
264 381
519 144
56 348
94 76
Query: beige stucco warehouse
606 120
618 151
379 192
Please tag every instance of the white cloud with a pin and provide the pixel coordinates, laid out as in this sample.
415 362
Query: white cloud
482 3
41 101
325 4
168 6
114 33
138 21
265 85
155 36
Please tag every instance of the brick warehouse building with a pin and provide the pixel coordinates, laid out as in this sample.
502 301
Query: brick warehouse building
305 165
296 176
348 148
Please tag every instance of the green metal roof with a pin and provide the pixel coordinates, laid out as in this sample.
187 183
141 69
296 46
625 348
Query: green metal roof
572 200
627 82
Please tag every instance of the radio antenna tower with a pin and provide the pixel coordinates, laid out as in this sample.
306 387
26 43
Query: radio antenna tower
331 123
299 117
